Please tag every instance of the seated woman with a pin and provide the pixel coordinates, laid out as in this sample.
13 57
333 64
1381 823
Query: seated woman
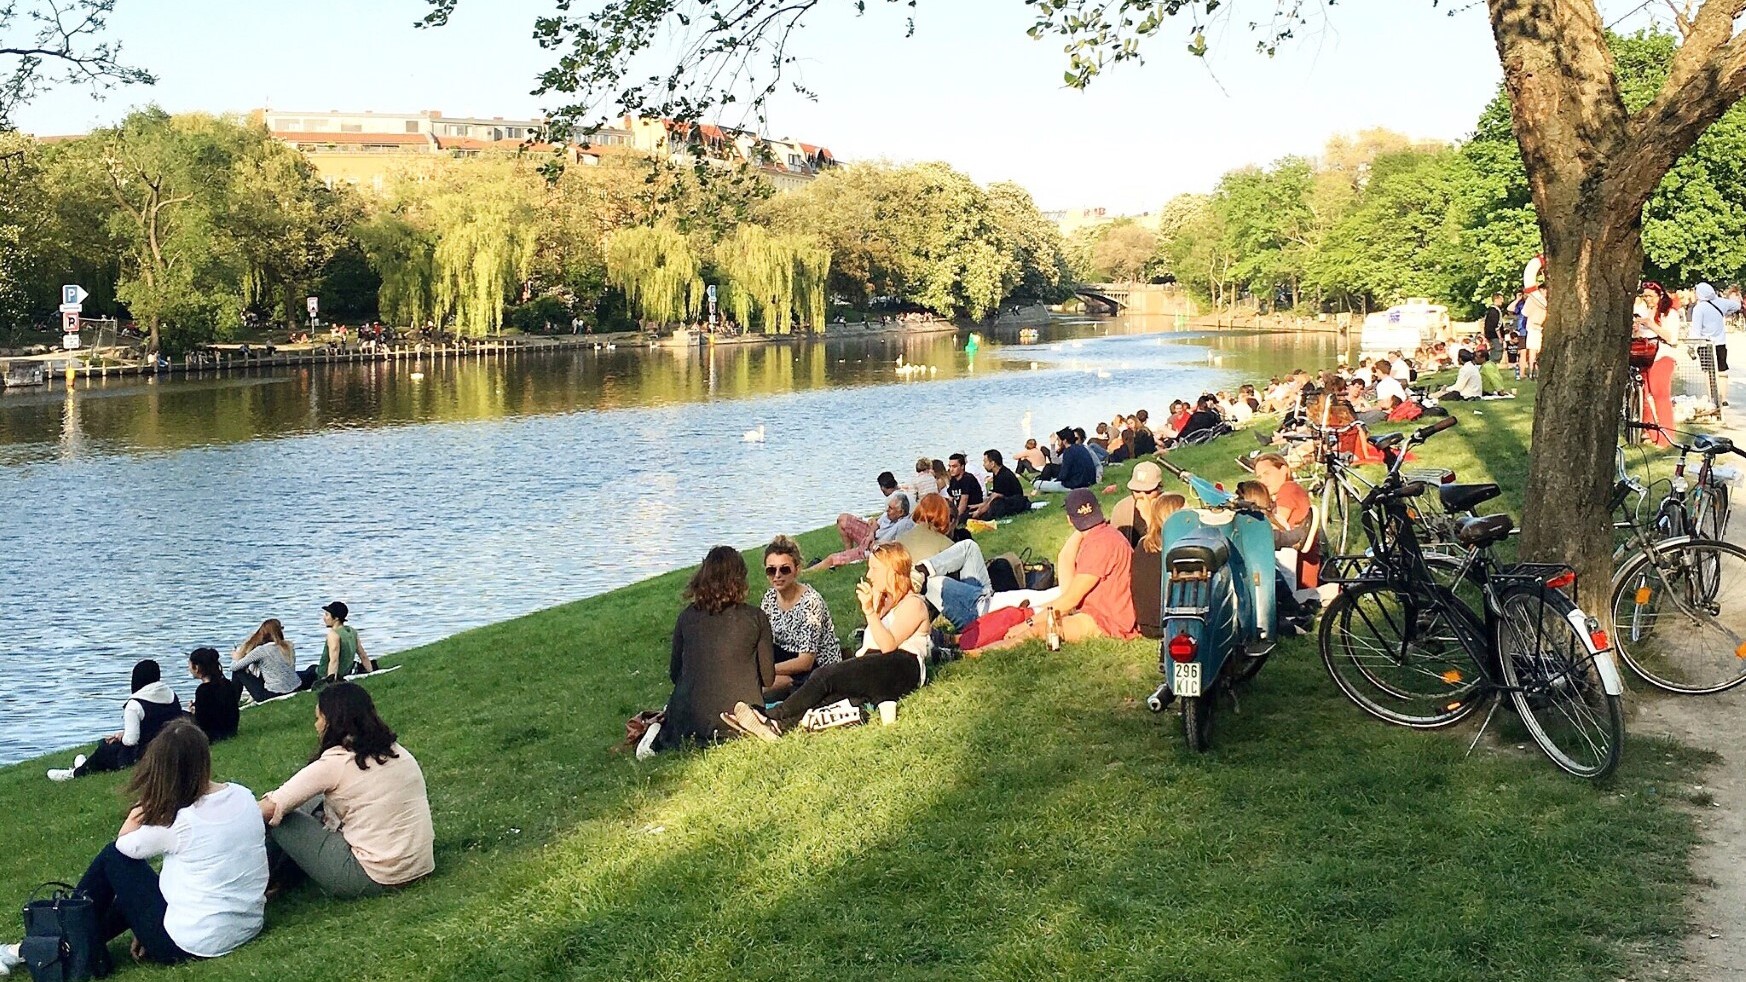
1150 510
356 819
215 700
212 895
931 533
800 621
723 652
892 662
266 664
924 482
151 707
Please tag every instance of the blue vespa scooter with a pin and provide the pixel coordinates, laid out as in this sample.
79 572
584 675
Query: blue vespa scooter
1218 616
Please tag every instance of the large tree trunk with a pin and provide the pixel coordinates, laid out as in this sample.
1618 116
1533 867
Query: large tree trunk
1594 255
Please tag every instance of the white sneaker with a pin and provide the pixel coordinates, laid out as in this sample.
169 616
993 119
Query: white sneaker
79 761
61 774
9 958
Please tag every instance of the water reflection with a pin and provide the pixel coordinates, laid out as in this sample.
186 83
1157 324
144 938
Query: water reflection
153 517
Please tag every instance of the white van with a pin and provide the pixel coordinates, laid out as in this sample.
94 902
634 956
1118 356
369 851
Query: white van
1403 327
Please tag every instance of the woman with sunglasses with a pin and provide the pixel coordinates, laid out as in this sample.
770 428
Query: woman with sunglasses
722 652
800 620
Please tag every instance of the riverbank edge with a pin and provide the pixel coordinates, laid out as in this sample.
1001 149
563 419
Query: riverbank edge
1656 848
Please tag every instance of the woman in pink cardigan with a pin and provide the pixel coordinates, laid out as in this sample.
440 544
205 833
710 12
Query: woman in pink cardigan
356 819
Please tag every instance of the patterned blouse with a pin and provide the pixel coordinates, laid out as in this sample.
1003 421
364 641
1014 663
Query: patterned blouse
804 627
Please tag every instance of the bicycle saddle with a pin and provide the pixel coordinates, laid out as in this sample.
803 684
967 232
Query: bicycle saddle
1205 548
1465 497
1478 533
1713 444
1387 440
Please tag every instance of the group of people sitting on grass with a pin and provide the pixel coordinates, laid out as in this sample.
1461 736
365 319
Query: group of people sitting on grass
354 819
264 668
931 594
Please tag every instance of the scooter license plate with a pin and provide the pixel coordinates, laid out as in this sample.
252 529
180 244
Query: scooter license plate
1185 679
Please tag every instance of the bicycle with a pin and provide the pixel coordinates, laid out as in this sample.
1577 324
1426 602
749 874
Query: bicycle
1678 602
1699 508
1406 649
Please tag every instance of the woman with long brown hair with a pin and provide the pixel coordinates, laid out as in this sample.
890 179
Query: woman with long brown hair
892 662
357 818
1654 319
212 895
266 664
723 652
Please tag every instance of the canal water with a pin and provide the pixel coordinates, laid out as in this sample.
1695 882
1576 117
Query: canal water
147 518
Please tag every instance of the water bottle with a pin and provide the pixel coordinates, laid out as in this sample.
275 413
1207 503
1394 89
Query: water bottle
1054 638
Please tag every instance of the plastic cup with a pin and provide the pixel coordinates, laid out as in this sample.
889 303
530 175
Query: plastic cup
887 712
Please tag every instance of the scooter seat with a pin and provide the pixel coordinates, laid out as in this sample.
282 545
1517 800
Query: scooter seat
1477 533
1466 497
1205 548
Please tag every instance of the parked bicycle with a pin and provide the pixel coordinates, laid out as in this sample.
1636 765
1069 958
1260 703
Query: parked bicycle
1678 601
1405 648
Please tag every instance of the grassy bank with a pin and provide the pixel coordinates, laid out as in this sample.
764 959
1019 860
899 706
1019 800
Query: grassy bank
1026 817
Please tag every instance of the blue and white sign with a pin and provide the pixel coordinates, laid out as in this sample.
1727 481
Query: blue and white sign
73 295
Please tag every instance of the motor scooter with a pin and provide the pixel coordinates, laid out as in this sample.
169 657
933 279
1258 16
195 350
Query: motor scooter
1218 612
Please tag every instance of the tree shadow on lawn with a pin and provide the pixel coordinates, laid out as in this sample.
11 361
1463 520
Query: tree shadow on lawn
1027 818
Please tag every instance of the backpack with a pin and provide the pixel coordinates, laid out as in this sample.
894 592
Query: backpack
1406 412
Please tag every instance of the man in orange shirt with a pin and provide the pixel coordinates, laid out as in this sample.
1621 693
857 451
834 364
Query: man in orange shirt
1096 599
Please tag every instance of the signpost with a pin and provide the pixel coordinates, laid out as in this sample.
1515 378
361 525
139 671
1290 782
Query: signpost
709 292
72 304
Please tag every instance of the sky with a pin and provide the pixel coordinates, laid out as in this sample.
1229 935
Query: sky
969 87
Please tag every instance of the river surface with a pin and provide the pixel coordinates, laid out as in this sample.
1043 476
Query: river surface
147 518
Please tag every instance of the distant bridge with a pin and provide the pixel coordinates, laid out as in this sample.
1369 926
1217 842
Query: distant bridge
1111 296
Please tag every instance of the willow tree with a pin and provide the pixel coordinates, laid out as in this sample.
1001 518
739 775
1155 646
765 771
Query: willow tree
656 268
776 278
486 236
403 254
1592 163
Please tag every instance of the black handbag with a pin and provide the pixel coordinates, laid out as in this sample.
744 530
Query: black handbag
1039 573
62 940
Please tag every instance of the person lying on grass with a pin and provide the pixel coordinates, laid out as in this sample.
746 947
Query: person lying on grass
892 661
723 651
212 895
356 820
800 621
150 707
1097 601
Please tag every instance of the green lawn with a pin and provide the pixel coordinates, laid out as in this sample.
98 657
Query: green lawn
1027 817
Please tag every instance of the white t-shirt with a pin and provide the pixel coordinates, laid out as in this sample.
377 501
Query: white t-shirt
1389 386
215 871
1468 381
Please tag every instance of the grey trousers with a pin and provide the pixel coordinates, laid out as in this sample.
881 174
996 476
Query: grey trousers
323 854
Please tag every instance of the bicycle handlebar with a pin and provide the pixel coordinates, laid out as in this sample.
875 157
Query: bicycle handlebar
1424 433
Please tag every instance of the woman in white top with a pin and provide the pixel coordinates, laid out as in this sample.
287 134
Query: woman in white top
212 895
892 661
266 664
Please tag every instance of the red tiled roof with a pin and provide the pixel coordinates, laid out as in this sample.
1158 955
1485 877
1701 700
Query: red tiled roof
370 139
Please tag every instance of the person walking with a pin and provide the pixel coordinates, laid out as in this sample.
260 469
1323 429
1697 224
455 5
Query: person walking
1708 319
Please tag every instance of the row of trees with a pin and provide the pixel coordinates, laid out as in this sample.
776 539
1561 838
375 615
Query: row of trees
194 225
1379 217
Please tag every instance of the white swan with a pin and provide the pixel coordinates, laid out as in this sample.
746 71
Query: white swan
417 376
754 436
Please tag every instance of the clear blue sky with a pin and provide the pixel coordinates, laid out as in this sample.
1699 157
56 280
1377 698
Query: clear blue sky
969 88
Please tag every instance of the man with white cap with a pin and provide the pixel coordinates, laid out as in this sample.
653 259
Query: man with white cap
1147 478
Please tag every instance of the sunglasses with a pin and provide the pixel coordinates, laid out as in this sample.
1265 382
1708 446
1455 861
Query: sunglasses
778 570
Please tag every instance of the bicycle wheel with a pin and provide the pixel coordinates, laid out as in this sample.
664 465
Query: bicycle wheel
1337 510
1710 517
1633 411
1413 660
1679 616
1556 684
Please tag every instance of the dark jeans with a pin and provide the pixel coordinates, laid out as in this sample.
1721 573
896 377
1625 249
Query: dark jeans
1007 506
869 678
256 686
125 892
109 755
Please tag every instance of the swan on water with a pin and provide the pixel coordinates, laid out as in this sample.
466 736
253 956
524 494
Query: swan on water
417 376
754 436
1102 373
